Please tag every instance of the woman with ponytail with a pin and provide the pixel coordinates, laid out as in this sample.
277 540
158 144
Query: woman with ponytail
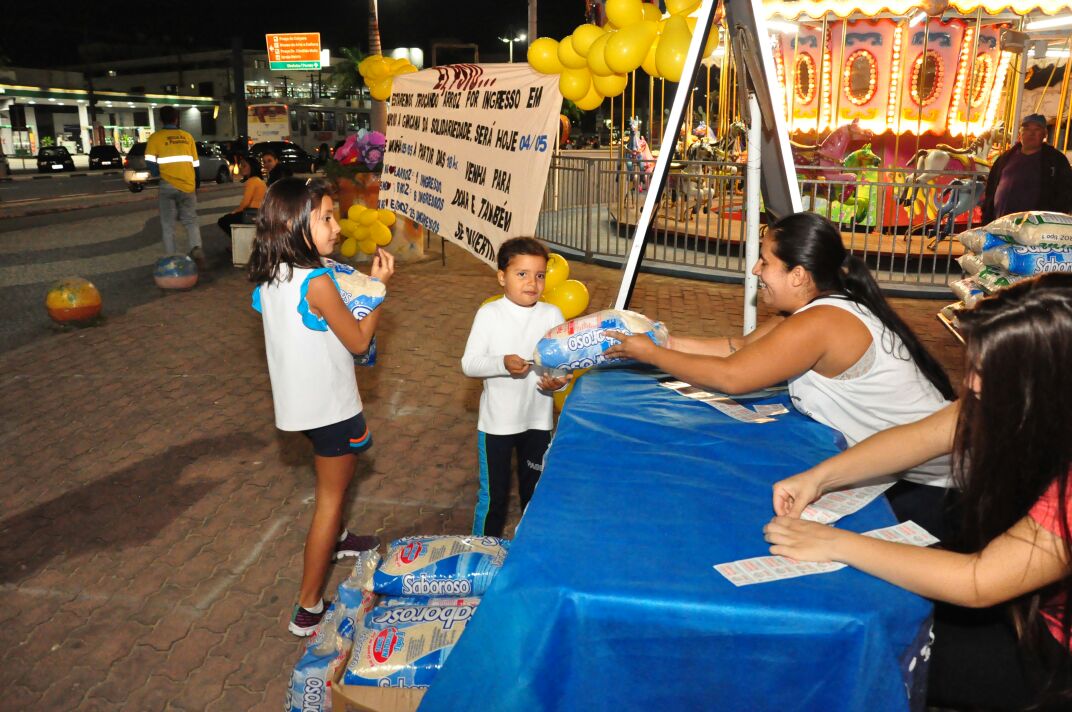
850 361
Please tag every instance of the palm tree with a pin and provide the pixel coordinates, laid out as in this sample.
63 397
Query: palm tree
344 76
379 108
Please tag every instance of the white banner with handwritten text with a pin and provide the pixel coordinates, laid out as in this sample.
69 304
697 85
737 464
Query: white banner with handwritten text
468 149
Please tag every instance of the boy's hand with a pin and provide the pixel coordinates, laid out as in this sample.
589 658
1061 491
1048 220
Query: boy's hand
383 265
551 383
517 366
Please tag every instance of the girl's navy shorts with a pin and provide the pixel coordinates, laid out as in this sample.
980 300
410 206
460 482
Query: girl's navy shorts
347 437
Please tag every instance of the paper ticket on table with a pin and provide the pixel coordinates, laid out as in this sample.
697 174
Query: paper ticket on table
722 403
764 569
832 506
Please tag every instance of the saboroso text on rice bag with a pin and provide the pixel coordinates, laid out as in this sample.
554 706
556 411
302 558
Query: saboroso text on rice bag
446 616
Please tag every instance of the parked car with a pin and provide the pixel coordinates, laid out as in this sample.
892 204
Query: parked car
104 157
54 158
290 155
212 166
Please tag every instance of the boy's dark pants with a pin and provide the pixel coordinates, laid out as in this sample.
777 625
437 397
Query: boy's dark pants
495 453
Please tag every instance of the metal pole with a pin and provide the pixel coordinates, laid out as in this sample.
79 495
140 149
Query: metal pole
751 217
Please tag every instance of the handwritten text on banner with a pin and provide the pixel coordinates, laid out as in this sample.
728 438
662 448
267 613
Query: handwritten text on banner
468 149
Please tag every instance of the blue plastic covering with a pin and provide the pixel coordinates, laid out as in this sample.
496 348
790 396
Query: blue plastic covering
608 599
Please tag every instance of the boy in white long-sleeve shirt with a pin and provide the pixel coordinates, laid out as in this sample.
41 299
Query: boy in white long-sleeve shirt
516 408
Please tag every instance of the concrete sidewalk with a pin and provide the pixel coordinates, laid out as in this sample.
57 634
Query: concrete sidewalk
154 518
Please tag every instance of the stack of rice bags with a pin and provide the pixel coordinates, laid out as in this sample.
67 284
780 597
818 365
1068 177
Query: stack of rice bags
1010 249
394 622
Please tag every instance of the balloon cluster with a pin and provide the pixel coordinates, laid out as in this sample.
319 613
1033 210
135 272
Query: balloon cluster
569 295
364 146
365 229
379 73
594 61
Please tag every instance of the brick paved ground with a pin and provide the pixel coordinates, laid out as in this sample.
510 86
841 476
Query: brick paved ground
153 518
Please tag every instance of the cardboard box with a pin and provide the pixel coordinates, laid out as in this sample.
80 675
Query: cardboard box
242 243
361 698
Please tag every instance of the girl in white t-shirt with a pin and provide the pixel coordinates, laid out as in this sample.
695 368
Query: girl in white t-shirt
310 336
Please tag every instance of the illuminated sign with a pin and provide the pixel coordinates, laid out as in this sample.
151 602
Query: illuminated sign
294 50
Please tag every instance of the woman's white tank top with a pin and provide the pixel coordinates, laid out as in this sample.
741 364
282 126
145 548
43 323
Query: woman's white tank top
893 391
312 373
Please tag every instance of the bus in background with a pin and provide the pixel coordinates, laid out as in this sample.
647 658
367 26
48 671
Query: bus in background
307 126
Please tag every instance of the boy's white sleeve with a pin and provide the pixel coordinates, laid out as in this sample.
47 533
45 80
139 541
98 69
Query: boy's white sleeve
478 361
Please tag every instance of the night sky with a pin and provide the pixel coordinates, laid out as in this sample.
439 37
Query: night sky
65 34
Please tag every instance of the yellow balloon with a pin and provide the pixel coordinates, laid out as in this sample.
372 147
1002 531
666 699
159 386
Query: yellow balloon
712 39
628 47
377 68
651 12
355 210
386 217
673 48
491 299
408 69
568 56
610 86
556 273
543 56
597 64
681 7
571 297
380 89
624 13
648 65
348 247
592 100
367 246
398 64
362 232
363 65
584 36
575 83
368 217
381 234
347 226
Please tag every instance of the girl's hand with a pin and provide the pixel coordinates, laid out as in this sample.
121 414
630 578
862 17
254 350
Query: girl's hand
516 366
552 383
638 347
803 541
383 265
793 494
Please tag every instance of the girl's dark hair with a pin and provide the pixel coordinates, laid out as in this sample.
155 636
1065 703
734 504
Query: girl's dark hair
520 246
284 235
254 166
1015 439
812 241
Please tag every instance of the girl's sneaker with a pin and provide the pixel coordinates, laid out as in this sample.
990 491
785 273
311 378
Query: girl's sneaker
303 622
352 544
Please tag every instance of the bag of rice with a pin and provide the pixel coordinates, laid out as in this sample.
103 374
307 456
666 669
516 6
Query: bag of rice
968 291
1019 259
991 279
427 601
580 342
405 646
971 263
361 294
440 565
978 240
1035 228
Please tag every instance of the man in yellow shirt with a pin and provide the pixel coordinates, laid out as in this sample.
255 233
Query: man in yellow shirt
172 155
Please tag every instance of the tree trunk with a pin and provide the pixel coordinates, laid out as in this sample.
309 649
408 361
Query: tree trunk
378 114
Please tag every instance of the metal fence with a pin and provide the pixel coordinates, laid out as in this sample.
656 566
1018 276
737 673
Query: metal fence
890 219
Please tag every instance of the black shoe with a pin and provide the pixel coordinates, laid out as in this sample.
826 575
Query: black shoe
198 256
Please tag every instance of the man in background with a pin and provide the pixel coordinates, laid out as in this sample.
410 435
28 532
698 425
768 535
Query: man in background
171 155
1032 175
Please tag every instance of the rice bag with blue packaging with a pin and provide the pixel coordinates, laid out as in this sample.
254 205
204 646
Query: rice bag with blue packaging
1035 228
580 342
968 291
361 294
978 240
427 601
1018 259
440 566
405 646
329 648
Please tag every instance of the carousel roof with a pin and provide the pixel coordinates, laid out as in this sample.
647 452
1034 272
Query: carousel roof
870 8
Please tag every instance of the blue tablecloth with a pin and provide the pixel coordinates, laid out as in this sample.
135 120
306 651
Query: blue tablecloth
608 599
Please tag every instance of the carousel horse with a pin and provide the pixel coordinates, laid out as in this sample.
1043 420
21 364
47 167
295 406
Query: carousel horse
928 162
732 146
831 150
861 208
694 186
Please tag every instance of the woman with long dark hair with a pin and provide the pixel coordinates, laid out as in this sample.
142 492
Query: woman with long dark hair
1011 440
850 361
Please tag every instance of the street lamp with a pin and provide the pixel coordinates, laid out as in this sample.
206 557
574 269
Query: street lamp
510 41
